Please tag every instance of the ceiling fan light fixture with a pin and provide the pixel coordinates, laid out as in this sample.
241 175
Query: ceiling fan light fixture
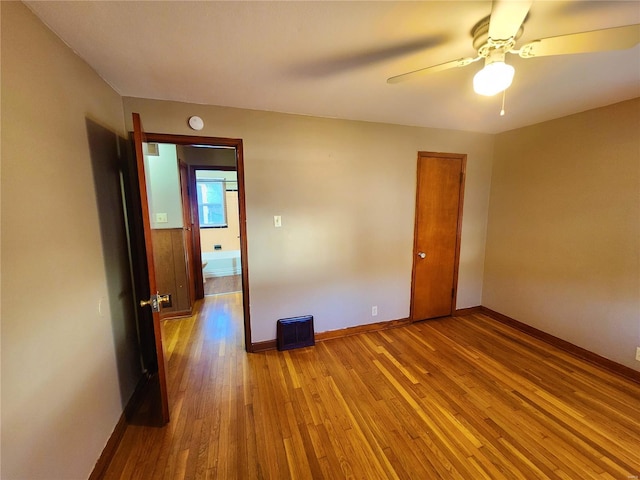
495 77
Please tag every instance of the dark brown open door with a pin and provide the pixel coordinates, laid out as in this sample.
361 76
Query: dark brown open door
155 300
436 252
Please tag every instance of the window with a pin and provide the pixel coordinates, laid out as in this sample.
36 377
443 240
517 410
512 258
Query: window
211 205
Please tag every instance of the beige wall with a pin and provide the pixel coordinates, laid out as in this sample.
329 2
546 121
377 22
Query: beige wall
563 242
63 384
163 187
346 194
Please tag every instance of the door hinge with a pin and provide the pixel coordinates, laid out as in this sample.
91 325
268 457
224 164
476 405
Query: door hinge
461 176
453 292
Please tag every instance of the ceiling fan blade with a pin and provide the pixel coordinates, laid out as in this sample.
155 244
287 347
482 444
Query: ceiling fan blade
461 62
507 17
617 38
339 63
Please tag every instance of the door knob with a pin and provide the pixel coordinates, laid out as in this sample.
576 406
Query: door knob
156 301
422 255
165 299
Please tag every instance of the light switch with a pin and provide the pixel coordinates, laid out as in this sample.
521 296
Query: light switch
161 218
277 221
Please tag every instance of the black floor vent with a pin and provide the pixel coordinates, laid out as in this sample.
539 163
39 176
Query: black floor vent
295 332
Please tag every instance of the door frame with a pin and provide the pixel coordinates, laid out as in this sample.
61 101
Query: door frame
197 261
187 235
456 261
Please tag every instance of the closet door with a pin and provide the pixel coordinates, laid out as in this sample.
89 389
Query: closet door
438 223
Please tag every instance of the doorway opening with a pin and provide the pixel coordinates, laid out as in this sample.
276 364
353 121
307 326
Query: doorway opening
217 227
206 179
141 215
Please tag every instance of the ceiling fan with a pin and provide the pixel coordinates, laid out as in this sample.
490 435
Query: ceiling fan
497 34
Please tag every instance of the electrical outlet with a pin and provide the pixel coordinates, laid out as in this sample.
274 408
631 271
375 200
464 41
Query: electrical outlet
374 311
638 354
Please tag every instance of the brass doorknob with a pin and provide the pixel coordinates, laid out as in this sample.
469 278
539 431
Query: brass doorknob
156 301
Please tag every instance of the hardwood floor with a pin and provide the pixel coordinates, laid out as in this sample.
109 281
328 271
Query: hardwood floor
228 284
455 398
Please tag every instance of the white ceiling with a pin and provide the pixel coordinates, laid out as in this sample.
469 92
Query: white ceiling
332 59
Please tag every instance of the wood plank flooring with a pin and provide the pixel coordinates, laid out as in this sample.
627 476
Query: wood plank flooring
228 284
455 398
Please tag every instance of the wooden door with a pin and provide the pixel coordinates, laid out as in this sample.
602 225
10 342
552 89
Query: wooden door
437 234
198 274
153 301
187 219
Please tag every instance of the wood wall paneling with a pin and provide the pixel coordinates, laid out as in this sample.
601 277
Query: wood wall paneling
182 302
171 269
